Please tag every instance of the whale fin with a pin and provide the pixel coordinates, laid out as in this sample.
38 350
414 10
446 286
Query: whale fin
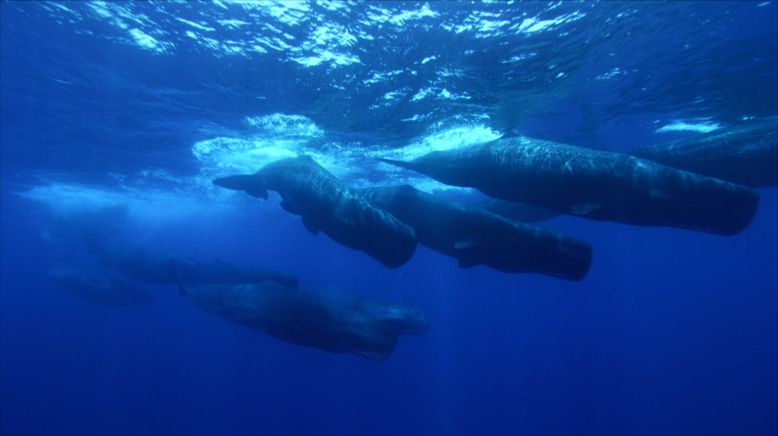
399 163
310 225
246 183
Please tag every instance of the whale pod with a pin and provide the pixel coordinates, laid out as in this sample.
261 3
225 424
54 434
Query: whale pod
594 184
327 204
477 237
746 153
334 323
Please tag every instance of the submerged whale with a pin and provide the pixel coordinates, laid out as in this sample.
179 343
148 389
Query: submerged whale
102 287
151 266
594 184
327 204
334 323
477 237
745 153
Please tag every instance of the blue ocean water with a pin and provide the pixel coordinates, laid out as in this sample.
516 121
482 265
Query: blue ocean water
141 105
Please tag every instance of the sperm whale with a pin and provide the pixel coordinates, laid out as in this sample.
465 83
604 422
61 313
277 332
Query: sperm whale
327 204
593 184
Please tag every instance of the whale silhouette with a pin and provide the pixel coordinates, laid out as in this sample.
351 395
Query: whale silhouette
477 237
593 184
333 322
327 204
746 153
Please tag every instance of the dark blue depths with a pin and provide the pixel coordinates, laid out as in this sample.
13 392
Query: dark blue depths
671 331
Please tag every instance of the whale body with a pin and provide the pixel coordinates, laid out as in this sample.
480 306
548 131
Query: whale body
333 323
745 153
327 204
594 184
139 263
477 237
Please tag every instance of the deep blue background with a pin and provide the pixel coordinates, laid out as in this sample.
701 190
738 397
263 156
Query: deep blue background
672 332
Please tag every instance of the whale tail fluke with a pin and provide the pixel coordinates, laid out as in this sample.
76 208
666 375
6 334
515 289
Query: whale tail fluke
247 183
